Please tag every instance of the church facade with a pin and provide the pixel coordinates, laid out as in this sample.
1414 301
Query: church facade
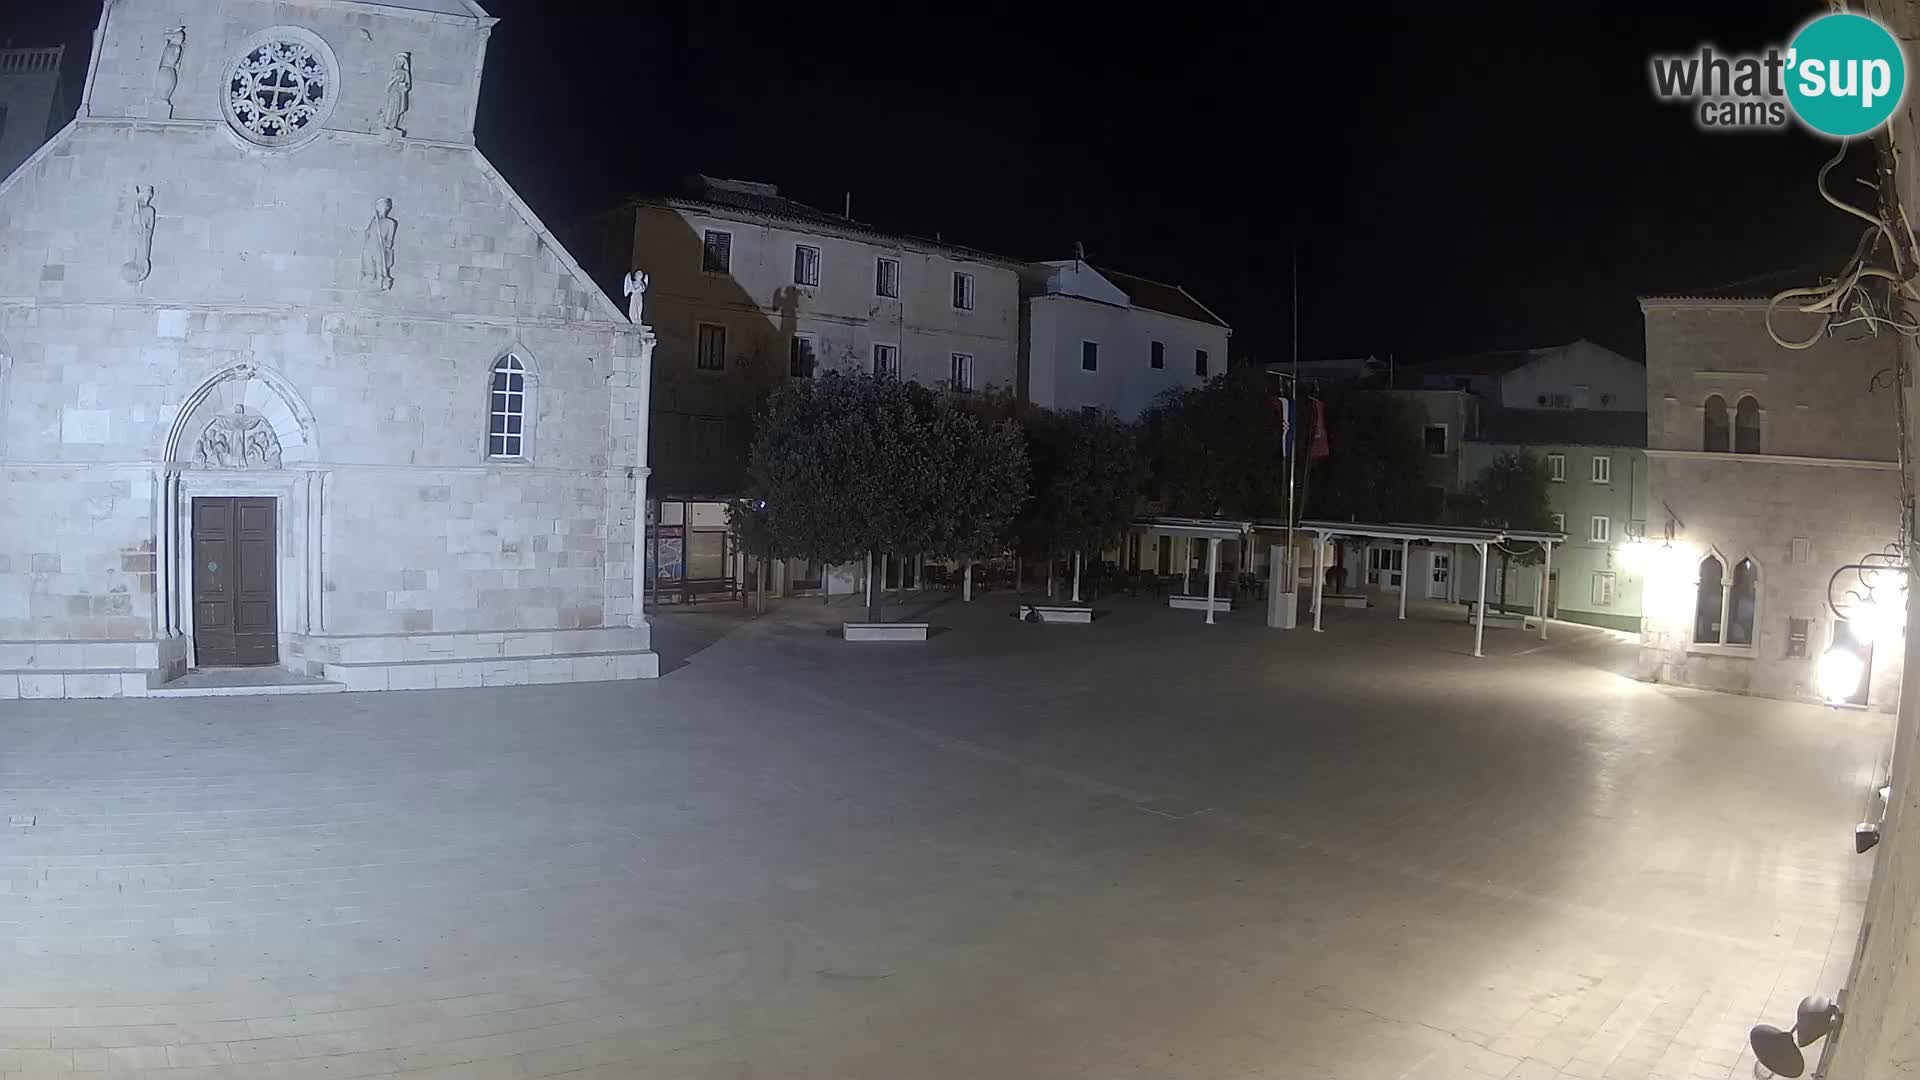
289 376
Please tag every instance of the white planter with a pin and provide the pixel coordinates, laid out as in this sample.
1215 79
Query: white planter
1199 603
1055 614
884 631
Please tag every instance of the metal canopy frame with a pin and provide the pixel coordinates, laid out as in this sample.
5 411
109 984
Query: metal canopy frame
1212 530
1407 532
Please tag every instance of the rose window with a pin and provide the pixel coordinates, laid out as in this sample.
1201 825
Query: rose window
280 92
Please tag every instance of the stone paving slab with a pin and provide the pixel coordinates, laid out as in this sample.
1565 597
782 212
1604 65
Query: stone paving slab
1150 849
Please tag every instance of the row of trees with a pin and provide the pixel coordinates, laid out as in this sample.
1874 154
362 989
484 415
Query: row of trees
845 467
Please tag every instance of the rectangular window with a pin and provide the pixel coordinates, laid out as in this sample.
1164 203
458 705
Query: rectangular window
886 361
1556 466
1200 362
962 380
963 291
1801 549
886 278
806 264
1436 440
1602 469
1603 590
716 253
1089 356
1559 522
1157 352
1601 531
1580 397
711 355
800 357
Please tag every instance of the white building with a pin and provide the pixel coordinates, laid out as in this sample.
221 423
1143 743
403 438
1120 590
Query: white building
1098 339
1578 375
1770 470
749 288
289 375
31 101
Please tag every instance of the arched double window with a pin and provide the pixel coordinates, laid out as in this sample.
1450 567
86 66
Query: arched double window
1746 426
507 410
1727 605
1715 436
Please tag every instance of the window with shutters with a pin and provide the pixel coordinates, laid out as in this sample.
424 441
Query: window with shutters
1603 590
716 253
963 291
962 381
1601 530
806 264
711 350
886 277
507 410
1556 466
886 361
1602 469
1157 355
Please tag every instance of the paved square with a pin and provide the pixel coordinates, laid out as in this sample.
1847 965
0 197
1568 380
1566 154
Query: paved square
1143 848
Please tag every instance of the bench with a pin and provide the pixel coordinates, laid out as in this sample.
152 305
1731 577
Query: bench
1500 618
1199 603
1047 613
1334 599
884 631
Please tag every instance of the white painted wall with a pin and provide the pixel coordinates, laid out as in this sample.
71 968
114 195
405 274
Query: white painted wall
1125 382
1612 381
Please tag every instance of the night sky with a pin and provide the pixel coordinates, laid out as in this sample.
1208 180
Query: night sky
1455 179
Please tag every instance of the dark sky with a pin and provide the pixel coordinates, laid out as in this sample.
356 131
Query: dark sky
1474 177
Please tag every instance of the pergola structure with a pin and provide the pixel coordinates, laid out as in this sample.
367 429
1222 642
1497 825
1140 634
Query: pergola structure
1479 539
1212 530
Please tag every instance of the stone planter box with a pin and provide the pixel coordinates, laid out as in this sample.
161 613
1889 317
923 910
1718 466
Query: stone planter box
1511 619
1055 614
1359 600
884 631
1199 603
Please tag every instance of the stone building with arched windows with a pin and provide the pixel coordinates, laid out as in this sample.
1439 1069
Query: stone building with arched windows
290 376
1770 470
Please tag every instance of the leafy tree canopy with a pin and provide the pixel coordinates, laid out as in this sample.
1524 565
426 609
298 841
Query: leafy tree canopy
1216 450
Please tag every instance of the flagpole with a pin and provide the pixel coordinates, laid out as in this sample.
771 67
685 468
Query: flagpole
1293 416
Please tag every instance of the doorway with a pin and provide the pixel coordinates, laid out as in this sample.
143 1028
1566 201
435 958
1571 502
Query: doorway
1384 568
236 619
1439 574
1164 560
1845 638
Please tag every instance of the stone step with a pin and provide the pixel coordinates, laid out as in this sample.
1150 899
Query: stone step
495 671
43 683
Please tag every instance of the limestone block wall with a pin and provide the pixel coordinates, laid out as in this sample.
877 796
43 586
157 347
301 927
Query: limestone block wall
446 56
1744 508
76 553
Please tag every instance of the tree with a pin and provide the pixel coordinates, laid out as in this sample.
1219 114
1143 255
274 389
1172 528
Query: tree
1510 493
845 466
1377 468
1216 449
1087 470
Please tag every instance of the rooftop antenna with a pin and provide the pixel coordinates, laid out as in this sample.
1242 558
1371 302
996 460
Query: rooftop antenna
849 211
1079 251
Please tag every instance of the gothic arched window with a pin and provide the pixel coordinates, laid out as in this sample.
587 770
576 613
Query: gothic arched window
507 410
1715 437
1746 426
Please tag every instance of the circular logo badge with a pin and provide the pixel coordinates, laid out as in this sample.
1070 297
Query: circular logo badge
1846 74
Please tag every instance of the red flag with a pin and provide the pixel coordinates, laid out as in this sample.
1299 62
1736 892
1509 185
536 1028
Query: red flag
1318 446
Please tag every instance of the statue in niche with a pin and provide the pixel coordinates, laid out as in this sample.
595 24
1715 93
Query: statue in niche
399 94
241 441
376 248
636 291
140 222
167 78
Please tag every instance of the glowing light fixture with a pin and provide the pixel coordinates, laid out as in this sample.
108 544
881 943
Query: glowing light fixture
1838 673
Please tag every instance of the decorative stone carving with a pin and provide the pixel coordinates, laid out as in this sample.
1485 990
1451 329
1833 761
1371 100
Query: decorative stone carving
240 441
376 248
399 94
636 290
167 79
140 222
280 91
